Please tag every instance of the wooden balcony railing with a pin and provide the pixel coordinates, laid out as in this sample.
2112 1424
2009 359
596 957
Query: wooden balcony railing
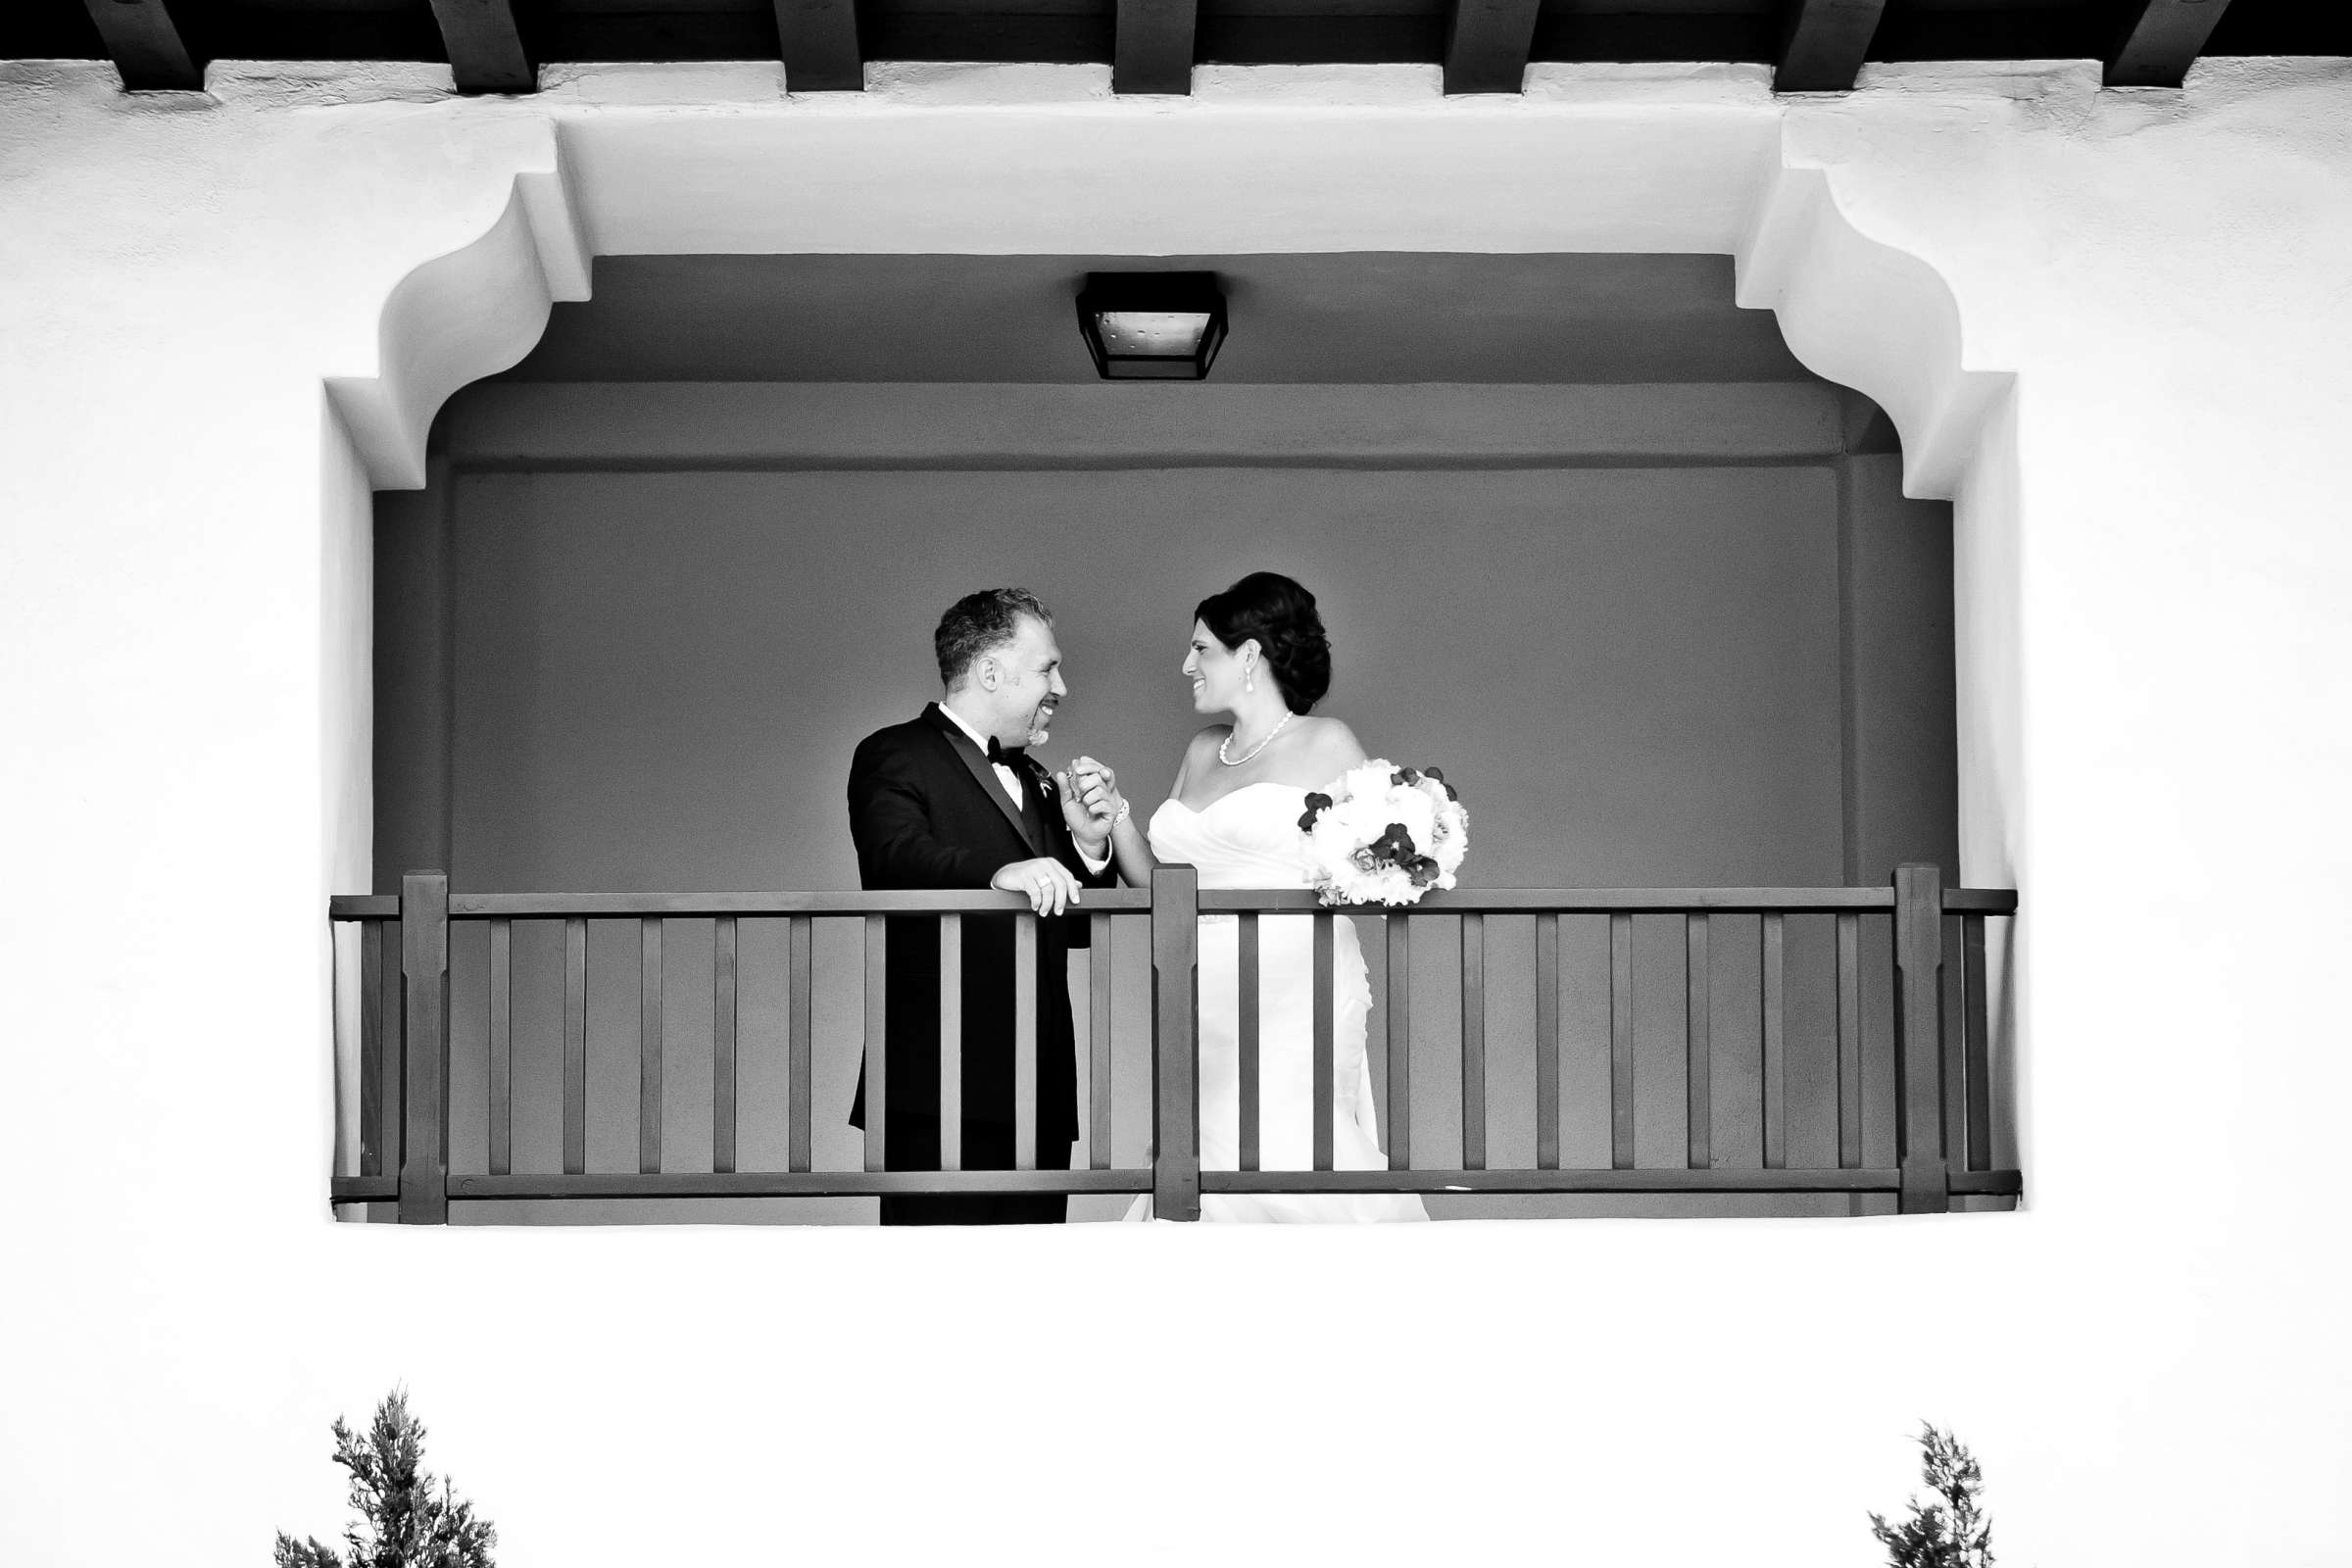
1938 1056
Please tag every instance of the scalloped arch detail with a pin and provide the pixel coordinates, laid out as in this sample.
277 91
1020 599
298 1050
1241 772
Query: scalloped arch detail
459 318
1854 308
1863 314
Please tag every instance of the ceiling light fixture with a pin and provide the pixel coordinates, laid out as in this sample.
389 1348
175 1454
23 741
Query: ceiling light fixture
1151 326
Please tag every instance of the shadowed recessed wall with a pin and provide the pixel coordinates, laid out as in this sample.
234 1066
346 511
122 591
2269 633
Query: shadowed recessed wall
619 657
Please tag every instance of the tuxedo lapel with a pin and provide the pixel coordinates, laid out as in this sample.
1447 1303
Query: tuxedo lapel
975 763
1035 799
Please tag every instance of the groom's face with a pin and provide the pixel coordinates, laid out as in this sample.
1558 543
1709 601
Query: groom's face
1028 684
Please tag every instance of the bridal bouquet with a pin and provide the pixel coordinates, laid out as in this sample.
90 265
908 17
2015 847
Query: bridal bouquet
1385 834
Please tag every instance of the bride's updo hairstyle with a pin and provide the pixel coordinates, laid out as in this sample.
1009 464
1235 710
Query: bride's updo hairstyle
1281 615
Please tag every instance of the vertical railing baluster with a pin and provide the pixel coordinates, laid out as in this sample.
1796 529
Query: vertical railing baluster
1772 991
1474 1042
1918 1046
1247 1041
575 1047
1620 1042
373 1035
1850 1041
347 1056
950 1042
393 1075
1325 1071
425 970
1950 979
876 1021
649 1049
1978 1028
800 1051
1098 1044
1547 1042
1175 1042
725 1019
1024 1041
1400 1010
1698 1043
502 1048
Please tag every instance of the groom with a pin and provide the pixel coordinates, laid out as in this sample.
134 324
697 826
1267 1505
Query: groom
952 799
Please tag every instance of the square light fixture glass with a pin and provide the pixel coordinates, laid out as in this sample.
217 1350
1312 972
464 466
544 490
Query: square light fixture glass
1151 326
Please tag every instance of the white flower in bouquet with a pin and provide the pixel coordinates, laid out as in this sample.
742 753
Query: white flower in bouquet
1385 834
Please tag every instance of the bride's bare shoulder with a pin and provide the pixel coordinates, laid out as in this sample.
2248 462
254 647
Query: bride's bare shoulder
1331 742
1196 753
1206 741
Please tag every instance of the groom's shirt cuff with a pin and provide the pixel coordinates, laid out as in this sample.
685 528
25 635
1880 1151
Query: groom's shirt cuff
1094 866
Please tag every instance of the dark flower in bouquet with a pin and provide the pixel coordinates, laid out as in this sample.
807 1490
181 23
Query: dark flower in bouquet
1384 834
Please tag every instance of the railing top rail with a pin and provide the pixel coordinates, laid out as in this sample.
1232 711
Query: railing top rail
1573 900
1137 901
688 905
363 907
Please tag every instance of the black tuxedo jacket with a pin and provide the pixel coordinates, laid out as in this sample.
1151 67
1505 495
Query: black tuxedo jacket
926 810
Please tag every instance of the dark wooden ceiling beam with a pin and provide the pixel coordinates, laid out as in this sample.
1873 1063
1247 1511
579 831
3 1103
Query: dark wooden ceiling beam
1823 43
145 45
1152 50
485 46
822 52
1487 43
2161 40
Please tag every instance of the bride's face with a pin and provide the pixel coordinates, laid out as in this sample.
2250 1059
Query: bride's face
1215 670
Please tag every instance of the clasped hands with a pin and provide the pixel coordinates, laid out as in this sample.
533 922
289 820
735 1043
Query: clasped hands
1091 804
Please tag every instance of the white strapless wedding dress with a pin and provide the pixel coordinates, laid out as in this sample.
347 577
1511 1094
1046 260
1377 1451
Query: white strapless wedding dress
1250 839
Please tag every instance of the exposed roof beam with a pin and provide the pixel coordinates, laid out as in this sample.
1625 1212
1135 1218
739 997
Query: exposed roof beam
145 44
2161 41
822 53
484 45
1153 51
1487 43
1823 43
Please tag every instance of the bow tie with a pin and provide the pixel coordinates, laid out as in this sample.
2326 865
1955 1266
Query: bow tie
999 757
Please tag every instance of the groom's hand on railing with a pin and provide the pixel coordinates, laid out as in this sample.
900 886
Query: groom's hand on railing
1047 882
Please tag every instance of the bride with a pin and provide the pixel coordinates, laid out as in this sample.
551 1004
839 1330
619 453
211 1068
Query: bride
1259 657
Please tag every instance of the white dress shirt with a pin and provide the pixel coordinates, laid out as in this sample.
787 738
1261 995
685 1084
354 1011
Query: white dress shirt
1015 785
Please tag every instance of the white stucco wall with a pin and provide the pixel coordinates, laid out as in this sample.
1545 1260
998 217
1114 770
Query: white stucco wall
2152 574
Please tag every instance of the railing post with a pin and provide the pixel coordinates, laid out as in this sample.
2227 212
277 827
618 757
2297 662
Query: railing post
425 1046
1918 1039
1175 1050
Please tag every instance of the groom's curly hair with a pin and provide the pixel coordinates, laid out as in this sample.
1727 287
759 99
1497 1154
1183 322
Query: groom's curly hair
1281 615
980 622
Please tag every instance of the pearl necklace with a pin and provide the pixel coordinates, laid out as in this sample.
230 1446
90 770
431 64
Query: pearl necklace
1235 761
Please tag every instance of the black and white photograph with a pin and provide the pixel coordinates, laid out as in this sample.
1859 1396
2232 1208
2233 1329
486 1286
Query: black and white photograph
1375 781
